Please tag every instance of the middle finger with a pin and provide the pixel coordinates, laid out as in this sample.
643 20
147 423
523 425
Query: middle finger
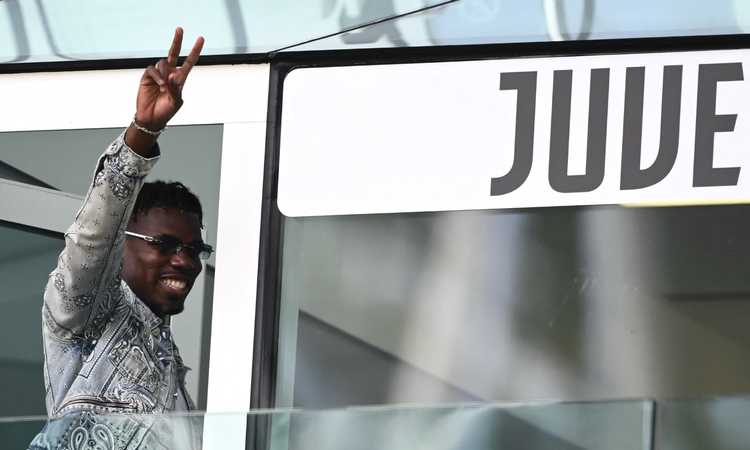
191 60
163 68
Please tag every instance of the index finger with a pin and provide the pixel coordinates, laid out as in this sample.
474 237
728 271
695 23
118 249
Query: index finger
192 58
174 50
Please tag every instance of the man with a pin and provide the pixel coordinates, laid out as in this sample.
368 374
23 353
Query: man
128 264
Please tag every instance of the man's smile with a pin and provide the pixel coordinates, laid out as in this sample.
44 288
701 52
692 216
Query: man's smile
176 285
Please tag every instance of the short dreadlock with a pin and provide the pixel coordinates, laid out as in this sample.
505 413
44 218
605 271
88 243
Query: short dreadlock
161 194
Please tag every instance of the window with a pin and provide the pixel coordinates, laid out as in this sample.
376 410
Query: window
221 126
26 258
523 295
581 303
65 160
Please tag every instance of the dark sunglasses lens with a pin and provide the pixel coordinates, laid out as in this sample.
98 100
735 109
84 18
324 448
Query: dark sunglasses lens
168 244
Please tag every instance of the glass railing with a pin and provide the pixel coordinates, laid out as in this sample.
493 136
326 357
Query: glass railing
602 426
45 30
715 424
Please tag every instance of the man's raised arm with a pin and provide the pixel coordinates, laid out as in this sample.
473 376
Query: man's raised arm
83 289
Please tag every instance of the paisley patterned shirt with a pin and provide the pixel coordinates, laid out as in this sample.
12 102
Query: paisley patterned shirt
104 350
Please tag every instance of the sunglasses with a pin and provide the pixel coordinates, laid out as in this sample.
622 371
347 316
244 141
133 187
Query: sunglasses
170 245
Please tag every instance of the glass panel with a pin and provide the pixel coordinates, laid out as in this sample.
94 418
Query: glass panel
563 426
46 31
718 424
17 433
26 258
65 160
501 21
602 426
575 303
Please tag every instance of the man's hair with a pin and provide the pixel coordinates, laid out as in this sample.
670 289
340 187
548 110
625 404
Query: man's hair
161 194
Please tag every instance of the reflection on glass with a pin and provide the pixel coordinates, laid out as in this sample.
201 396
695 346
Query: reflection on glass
716 424
503 21
45 31
539 304
595 426
542 427
97 431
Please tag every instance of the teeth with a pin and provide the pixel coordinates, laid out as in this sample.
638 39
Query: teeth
174 284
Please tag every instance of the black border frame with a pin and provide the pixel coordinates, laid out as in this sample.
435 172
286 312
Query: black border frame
265 352
123 63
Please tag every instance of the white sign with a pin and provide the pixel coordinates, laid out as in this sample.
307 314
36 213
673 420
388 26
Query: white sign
606 129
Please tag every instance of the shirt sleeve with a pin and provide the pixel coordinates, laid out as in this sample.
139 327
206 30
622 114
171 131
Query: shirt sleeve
84 286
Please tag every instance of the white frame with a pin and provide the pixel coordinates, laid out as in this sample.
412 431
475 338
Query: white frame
232 95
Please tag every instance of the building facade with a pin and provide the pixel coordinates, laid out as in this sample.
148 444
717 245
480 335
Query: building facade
438 224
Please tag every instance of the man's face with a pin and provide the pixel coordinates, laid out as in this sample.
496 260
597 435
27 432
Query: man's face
161 280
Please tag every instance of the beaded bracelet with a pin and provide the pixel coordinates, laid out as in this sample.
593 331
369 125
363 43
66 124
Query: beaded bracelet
146 130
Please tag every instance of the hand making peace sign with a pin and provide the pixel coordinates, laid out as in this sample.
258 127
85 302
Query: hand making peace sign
160 92
160 96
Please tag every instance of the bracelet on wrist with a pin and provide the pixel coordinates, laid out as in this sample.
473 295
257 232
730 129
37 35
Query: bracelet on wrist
145 130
